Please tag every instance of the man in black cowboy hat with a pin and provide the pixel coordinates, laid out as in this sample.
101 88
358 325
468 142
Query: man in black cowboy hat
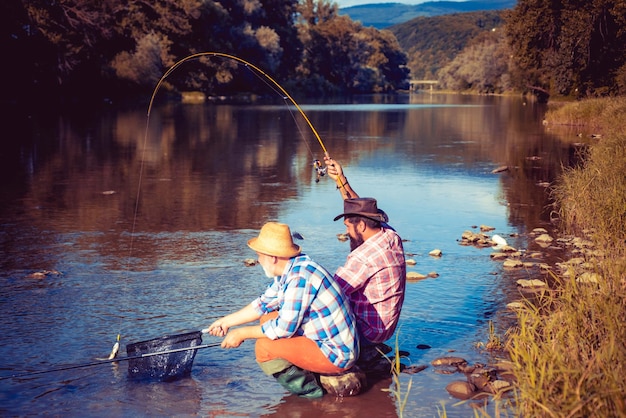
374 275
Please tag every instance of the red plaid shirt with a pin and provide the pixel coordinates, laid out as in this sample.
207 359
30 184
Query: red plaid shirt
374 278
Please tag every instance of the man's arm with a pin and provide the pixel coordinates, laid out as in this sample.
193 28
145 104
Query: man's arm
220 327
335 172
236 336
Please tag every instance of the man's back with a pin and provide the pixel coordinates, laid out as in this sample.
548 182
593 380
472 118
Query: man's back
374 278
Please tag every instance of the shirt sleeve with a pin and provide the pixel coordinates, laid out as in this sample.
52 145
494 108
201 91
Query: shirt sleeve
268 301
296 297
351 275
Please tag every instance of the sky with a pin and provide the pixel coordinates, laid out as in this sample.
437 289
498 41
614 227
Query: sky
348 3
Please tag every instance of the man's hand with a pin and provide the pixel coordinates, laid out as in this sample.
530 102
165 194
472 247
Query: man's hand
217 328
233 339
334 169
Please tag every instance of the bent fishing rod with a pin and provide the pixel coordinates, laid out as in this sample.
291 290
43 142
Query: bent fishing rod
248 64
316 163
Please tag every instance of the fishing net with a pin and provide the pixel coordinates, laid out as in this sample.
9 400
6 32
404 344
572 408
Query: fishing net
167 366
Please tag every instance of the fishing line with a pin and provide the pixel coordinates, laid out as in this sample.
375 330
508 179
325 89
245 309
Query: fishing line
241 60
289 108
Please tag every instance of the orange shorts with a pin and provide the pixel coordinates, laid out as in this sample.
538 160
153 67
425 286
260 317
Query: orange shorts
300 351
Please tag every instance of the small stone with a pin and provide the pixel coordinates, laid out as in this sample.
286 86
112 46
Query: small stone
414 369
510 263
530 283
545 238
43 274
500 385
413 276
588 277
435 253
433 274
448 361
479 380
485 228
498 256
410 262
461 389
514 305
423 347
249 262
37 275
500 169
343 237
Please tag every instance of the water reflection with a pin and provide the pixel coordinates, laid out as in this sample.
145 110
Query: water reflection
148 231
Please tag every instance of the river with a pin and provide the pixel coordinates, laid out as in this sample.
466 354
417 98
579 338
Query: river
115 223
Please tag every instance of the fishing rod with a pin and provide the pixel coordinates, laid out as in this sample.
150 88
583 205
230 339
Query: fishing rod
319 168
110 360
248 64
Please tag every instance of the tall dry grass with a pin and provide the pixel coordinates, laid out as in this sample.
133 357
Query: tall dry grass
569 347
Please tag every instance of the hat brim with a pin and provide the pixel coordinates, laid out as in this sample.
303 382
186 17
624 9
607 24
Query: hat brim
286 252
379 217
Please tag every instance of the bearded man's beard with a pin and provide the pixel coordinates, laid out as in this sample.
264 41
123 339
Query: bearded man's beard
356 241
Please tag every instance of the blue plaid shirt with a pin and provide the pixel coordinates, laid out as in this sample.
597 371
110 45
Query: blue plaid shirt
310 303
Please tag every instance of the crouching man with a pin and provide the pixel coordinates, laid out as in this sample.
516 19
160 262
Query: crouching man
306 324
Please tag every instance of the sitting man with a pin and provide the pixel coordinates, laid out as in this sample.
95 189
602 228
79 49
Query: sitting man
374 275
306 324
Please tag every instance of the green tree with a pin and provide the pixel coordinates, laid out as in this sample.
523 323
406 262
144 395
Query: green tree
482 66
340 55
68 35
149 37
568 47
102 47
432 42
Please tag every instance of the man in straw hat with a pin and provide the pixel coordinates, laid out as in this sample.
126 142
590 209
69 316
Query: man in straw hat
306 324
374 275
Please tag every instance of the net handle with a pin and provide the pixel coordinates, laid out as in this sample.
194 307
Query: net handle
114 360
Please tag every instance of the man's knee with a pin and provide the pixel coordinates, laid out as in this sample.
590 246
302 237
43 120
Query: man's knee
262 350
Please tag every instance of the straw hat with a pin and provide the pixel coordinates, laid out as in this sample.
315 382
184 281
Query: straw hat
362 206
275 239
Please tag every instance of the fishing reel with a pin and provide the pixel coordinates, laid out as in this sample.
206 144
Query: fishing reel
320 170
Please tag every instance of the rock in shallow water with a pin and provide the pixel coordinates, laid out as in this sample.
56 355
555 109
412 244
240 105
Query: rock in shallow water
461 389
348 383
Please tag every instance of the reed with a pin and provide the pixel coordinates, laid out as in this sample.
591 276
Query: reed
569 346
400 394
494 342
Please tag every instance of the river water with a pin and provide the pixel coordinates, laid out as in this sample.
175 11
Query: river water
115 223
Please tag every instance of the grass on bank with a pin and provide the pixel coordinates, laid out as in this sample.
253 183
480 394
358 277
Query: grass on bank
569 347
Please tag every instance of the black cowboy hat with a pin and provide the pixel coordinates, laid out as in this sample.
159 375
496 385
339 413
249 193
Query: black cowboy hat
363 206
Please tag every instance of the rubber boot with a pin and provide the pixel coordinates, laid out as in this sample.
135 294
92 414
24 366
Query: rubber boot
294 379
299 382
271 367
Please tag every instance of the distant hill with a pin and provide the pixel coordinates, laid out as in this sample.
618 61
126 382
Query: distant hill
383 15
432 42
